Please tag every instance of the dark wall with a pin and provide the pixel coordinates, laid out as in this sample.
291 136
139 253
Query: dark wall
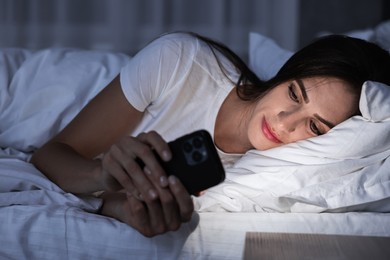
339 16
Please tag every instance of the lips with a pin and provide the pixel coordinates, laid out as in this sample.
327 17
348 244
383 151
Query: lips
268 133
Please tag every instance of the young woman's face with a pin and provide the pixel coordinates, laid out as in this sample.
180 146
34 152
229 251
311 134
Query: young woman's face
300 109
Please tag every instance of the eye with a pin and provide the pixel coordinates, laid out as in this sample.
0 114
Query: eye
291 92
314 128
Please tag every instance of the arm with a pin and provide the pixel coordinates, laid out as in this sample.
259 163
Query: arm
102 127
68 159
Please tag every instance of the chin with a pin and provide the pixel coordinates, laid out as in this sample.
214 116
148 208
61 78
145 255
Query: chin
262 145
266 145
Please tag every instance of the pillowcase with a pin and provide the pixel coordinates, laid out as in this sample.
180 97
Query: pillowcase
266 57
382 35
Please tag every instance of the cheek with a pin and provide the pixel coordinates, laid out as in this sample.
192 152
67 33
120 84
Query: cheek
300 133
257 138
254 132
298 136
254 129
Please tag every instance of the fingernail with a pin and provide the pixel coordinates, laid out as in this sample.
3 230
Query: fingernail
164 181
135 194
172 179
152 194
166 155
147 171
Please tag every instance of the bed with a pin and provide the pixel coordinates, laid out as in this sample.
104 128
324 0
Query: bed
339 193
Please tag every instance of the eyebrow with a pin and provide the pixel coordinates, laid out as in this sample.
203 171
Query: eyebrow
306 99
303 91
324 121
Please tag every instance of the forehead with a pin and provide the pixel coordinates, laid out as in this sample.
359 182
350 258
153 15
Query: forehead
331 97
326 88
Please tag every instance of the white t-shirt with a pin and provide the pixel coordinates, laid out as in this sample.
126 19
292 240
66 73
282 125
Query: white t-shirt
178 83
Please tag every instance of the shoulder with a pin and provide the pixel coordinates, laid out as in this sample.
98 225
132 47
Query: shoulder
177 38
179 43
181 38
186 50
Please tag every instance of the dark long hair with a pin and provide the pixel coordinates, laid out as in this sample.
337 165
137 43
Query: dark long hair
350 59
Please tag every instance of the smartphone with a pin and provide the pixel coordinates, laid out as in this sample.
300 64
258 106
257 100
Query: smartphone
195 161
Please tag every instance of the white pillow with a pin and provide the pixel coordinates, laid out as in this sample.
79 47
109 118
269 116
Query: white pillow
382 35
266 57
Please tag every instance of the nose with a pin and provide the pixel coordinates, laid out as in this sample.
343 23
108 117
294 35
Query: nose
289 120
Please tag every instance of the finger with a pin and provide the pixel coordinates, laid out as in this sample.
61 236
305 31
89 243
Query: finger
199 193
115 177
182 197
152 165
156 217
138 216
158 143
129 174
170 209
143 187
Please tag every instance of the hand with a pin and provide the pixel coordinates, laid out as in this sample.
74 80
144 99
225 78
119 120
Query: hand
121 171
155 217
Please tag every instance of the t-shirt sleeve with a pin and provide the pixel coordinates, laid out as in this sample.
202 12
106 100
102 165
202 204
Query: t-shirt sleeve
154 70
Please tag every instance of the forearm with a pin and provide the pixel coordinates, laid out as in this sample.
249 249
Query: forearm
69 170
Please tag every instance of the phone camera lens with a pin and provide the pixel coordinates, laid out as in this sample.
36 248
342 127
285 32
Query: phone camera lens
187 147
197 156
197 142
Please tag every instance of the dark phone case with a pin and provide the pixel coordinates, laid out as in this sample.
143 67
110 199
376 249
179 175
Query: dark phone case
195 161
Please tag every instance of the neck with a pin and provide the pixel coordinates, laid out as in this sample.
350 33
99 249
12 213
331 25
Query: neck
231 127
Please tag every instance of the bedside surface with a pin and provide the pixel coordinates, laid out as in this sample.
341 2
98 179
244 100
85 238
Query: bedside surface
315 246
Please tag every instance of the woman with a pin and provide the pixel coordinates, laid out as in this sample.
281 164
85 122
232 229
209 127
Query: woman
184 82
